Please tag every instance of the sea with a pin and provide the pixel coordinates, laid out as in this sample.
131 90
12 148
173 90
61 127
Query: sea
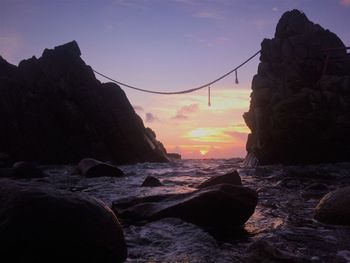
282 229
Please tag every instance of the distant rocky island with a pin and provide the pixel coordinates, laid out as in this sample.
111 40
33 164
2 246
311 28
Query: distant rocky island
300 103
53 110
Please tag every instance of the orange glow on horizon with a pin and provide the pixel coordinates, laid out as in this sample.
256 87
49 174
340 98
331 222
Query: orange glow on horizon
186 125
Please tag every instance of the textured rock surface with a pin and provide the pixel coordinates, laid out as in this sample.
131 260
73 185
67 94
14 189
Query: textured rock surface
53 109
298 114
219 206
229 178
41 224
334 207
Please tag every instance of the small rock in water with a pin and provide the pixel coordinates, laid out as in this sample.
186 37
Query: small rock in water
334 207
230 178
93 168
151 181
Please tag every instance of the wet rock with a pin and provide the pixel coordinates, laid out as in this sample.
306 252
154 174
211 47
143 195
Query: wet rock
93 168
41 224
151 181
219 206
26 170
230 178
297 111
54 110
262 251
334 207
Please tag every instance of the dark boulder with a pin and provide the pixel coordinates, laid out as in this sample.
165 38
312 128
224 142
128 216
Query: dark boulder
54 110
219 207
299 108
151 181
93 168
41 224
334 207
230 178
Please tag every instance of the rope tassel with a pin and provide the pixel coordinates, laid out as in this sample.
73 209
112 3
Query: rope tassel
236 81
209 102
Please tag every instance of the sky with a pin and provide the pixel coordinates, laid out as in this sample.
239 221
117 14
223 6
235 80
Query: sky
168 45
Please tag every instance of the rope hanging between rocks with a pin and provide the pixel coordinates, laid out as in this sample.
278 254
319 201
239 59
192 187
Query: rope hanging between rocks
236 81
209 103
187 90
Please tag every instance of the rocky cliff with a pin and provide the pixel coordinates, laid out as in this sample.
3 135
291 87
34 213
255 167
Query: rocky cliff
54 110
300 103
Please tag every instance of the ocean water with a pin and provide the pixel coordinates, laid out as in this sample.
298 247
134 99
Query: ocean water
282 228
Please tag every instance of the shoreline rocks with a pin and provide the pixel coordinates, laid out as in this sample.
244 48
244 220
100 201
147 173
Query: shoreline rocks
42 224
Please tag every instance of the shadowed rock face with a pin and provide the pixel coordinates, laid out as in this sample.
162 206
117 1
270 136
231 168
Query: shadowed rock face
54 110
41 224
299 113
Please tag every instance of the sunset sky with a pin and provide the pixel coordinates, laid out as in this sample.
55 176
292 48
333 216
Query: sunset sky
168 45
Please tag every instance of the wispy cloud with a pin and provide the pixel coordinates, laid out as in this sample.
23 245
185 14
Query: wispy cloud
209 15
275 9
345 2
150 117
184 111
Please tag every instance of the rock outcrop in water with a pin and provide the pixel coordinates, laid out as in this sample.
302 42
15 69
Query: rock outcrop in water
334 207
54 110
218 207
299 110
41 224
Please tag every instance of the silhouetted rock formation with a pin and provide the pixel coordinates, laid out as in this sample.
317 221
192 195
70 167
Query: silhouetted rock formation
53 109
299 110
41 224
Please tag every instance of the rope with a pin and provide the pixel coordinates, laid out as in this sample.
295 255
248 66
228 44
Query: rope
182 91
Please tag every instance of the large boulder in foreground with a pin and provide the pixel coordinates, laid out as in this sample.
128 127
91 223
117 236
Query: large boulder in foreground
54 110
40 224
219 206
334 207
299 109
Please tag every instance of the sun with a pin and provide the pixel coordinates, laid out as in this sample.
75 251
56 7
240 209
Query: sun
203 151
